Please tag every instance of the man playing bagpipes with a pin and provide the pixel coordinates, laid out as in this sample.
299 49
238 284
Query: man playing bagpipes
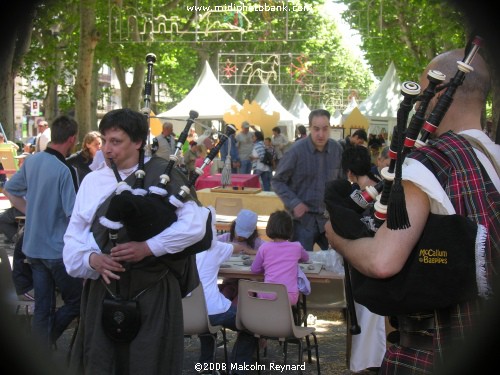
134 280
434 271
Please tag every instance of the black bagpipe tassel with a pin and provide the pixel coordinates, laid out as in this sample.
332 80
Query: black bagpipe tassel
397 216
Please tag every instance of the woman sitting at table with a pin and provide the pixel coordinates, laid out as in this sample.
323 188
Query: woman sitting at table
243 232
220 309
279 259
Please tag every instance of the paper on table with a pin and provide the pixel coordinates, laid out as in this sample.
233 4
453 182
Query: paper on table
237 262
311 268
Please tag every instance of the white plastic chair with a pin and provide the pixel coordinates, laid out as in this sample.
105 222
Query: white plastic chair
197 323
271 318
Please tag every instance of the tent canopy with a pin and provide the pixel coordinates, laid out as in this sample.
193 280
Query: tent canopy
353 103
384 101
300 109
268 102
382 105
336 118
207 97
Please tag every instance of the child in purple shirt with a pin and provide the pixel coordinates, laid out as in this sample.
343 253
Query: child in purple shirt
279 259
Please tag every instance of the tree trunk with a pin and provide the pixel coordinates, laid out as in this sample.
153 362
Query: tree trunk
131 96
94 98
15 38
7 93
89 37
137 87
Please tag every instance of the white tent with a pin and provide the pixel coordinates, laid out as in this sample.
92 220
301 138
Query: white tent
382 105
353 103
299 109
207 97
336 118
268 102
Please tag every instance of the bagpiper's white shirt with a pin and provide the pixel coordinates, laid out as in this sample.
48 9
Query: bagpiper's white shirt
79 242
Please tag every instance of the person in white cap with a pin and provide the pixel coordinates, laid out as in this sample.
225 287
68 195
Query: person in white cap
244 231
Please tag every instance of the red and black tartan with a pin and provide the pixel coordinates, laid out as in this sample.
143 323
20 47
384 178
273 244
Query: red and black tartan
452 160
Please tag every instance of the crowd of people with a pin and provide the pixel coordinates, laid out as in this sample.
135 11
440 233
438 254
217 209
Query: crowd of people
242 153
66 197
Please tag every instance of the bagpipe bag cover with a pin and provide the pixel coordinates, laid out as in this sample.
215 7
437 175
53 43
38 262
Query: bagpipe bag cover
446 266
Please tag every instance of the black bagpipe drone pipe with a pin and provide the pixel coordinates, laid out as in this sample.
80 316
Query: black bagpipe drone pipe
148 87
174 158
391 187
440 270
435 78
364 198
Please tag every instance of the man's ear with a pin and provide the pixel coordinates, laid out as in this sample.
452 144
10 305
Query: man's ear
350 175
138 145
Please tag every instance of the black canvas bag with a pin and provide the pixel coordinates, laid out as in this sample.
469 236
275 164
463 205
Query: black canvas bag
443 269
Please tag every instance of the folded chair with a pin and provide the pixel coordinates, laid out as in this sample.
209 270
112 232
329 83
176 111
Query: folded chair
197 323
271 318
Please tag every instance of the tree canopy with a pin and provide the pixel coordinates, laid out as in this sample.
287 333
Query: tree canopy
409 33
53 55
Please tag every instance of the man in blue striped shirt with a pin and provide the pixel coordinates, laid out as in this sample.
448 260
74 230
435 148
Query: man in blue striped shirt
301 176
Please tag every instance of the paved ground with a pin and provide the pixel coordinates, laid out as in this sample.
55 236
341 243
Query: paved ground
330 328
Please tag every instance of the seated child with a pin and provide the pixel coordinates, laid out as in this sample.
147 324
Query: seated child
244 233
279 259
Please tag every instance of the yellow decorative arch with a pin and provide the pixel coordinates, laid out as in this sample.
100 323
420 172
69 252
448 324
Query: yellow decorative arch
254 115
356 120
